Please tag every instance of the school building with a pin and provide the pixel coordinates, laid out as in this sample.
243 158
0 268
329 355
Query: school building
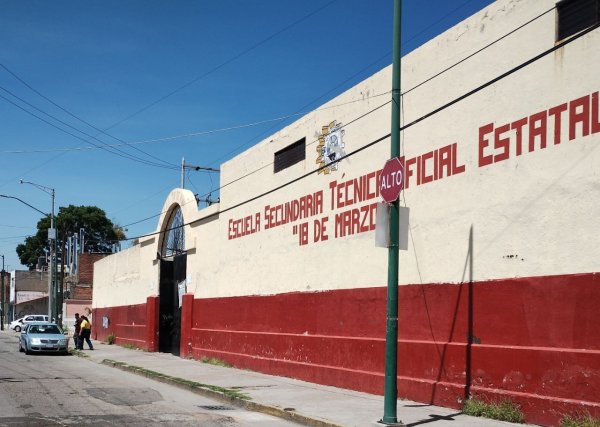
499 280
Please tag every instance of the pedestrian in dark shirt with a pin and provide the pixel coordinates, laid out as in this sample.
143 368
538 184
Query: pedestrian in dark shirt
76 336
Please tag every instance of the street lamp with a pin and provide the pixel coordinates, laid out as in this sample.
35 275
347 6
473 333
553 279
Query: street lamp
54 300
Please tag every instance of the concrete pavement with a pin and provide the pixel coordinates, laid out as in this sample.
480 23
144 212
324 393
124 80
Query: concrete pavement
307 403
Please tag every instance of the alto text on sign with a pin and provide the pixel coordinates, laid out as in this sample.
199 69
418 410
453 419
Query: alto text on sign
392 180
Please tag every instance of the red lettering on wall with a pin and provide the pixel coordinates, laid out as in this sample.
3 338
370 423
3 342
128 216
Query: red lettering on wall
355 190
433 165
595 113
484 130
294 210
445 161
456 169
425 177
501 143
244 226
518 127
556 113
582 119
536 130
582 116
408 170
355 221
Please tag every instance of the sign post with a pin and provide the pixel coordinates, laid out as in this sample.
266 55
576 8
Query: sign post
390 398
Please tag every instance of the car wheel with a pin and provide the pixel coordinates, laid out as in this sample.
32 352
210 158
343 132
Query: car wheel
17 329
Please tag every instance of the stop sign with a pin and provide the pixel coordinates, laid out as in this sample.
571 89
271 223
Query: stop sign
391 180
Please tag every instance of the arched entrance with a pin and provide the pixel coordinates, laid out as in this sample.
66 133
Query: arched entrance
173 264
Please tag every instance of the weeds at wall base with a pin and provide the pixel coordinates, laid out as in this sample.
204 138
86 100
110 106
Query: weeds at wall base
502 411
216 362
580 421
110 339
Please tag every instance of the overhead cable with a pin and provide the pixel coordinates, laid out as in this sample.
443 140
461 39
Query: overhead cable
382 138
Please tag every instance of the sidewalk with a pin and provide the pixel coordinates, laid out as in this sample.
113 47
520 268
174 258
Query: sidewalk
307 403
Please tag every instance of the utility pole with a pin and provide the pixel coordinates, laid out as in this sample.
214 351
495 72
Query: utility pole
185 166
2 297
54 294
391 339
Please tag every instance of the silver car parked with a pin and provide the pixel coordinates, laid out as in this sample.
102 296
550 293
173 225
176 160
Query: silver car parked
43 336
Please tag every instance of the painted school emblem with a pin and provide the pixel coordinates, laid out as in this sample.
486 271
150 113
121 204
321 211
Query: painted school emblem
331 147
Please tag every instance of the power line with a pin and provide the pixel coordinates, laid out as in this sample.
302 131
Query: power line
476 52
256 170
382 138
387 55
432 77
299 112
125 155
201 133
223 64
407 91
77 117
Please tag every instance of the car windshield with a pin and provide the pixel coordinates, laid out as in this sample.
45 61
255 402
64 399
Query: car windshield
44 329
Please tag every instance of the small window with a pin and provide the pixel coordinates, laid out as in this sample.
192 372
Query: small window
290 155
575 16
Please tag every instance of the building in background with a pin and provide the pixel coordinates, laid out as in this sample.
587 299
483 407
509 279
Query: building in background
78 287
499 282
28 293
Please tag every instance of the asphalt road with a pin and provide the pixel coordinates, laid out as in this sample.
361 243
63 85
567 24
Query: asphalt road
52 390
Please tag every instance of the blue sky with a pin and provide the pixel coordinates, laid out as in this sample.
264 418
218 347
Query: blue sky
153 70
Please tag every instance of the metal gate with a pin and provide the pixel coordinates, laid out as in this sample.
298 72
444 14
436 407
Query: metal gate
172 273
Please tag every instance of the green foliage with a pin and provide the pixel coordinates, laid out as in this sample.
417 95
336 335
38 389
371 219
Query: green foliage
130 346
503 411
100 232
580 421
110 339
216 362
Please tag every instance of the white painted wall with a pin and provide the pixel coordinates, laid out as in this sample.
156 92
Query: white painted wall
531 215
126 278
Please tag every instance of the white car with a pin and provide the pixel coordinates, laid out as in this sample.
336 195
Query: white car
19 324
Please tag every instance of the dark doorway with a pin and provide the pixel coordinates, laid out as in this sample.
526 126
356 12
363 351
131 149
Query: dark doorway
172 272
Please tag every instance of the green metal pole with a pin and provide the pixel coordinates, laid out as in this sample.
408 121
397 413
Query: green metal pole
391 338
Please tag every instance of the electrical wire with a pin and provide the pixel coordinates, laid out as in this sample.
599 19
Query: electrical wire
358 73
297 113
407 91
382 138
223 64
476 52
125 155
202 133
437 74
75 116
256 170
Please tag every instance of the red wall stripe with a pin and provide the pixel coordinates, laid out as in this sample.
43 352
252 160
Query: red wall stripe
534 340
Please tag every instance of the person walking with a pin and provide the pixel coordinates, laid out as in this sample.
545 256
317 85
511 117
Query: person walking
76 336
86 332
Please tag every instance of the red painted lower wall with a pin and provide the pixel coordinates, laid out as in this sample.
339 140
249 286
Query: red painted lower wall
533 340
135 325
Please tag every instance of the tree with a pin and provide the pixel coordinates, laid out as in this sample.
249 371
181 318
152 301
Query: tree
100 232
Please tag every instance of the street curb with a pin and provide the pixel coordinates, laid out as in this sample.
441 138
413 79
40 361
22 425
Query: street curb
205 390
